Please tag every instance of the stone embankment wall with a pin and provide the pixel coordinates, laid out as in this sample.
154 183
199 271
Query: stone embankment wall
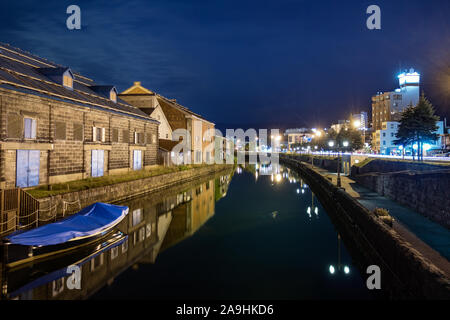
325 163
380 165
121 191
422 187
405 272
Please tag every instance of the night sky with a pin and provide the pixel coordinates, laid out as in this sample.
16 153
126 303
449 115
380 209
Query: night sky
246 63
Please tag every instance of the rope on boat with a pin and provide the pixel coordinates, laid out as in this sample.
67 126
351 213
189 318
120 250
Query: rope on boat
48 209
50 218
26 225
13 218
35 212
10 229
68 203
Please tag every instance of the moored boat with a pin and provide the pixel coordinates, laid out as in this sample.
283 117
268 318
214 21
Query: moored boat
83 228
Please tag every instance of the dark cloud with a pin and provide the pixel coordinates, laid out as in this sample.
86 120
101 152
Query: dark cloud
297 62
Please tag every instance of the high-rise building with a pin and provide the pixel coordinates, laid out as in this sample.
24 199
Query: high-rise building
359 120
388 106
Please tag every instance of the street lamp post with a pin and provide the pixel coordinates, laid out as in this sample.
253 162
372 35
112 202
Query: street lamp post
344 144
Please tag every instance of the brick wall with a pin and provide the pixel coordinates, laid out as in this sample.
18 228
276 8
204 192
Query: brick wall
58 137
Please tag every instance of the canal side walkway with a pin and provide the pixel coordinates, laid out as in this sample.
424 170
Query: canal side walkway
429 238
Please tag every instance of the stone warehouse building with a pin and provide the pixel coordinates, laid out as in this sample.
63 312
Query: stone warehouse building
57 125
172 116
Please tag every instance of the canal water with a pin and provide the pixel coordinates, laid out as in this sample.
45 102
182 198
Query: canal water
235 235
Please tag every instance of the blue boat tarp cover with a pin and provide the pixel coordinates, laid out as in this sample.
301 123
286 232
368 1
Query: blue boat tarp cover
89 221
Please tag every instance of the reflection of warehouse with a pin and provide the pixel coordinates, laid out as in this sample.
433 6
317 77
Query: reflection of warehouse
190 216
154 223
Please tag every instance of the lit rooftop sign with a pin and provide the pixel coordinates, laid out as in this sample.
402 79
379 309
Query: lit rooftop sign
406 78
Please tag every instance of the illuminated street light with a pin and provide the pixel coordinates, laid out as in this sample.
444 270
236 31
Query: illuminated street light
345 143
331 143
357 123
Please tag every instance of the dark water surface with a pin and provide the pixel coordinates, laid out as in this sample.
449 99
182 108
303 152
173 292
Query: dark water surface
238 236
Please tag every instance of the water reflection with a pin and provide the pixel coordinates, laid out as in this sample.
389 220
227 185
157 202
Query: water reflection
155 222
268 238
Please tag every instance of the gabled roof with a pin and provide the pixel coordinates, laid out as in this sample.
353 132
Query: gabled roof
167 145
54 71
103 90
24 72
136 88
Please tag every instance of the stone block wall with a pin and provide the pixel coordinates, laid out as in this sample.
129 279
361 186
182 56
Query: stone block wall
65 151
425 192
124 190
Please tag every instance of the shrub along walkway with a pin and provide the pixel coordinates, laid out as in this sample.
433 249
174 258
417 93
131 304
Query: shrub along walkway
429 238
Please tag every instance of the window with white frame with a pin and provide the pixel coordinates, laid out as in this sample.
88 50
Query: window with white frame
125 246
114 253
98 134
68 81
148 230
29 128
137 217
113 96
57 286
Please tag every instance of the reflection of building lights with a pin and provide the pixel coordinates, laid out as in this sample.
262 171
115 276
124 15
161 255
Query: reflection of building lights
298 191
331 269
316 210
278 177
303 190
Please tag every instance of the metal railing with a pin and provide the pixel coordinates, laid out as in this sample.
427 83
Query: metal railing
18 210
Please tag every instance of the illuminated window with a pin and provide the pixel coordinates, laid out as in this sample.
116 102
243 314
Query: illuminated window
67 81
29 128
113 96
114 253
137 217
57 286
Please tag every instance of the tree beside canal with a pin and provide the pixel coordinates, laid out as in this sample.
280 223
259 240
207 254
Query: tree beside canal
352 136
417 126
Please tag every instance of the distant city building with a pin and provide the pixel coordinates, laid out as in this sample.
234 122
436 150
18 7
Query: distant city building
388 106
360 120
342 124
383 139
298 136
